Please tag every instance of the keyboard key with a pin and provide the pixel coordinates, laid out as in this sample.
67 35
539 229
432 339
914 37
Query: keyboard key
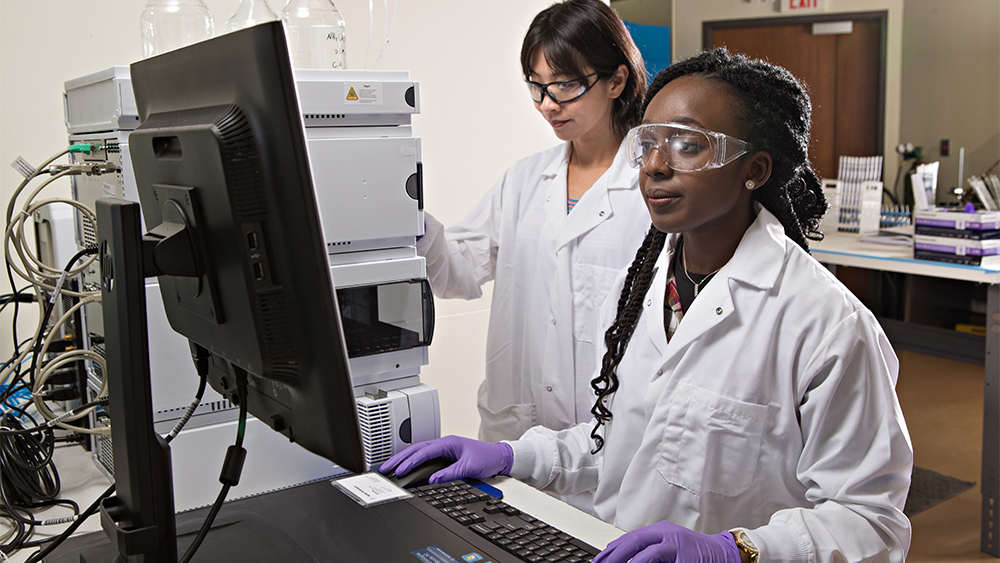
511 511
480 529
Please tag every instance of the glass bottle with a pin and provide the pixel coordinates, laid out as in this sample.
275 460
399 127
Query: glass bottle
250 13
316 34
169 24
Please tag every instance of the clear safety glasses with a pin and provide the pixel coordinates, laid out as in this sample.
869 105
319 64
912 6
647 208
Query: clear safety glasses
563 91
682 147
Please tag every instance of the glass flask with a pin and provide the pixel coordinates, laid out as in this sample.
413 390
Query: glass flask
169 24
250 13
316 34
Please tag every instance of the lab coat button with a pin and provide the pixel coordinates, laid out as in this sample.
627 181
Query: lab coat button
718 310
649 302
602 213
548 388
553 322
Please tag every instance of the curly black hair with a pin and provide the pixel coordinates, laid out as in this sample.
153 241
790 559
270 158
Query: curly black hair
777 114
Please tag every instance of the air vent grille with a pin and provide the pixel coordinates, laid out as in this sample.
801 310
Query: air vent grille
375 420
324 116
280 351
210 406
242 164
105 453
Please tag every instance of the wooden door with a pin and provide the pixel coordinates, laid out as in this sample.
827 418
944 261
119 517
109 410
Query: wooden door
842 72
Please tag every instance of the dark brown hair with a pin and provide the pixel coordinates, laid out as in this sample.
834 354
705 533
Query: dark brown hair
576 34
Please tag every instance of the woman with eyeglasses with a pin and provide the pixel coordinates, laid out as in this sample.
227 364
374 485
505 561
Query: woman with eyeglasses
745 405
553 232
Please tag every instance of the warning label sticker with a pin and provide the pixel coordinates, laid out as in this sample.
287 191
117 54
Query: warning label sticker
358 93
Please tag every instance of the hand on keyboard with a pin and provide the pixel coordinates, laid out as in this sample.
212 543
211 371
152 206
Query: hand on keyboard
667 542
473 459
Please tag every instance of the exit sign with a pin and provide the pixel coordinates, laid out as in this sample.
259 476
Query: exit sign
800 6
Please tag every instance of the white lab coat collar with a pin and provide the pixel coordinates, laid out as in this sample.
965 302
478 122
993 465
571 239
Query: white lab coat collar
596 205
757 262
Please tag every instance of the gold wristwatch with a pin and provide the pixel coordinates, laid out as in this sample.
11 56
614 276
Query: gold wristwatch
745 545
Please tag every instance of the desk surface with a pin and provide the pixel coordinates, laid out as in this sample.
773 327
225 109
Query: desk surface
845 249
83 482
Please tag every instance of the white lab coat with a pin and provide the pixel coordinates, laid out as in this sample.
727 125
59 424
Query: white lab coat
551 272
772 408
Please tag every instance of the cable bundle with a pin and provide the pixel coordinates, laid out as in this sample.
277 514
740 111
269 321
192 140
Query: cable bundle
28 478
49 285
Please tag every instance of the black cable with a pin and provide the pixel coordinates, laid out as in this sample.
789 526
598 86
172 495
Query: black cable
19 296
49 306
57 541
54 542
43 428
17 306
17 345
229 477
28 478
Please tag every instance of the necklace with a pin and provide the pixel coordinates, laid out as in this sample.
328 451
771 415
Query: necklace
697 285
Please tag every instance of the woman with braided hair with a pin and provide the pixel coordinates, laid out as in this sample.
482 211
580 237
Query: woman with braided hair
745 407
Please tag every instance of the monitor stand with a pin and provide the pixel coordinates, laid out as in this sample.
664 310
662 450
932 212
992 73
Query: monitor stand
139 519
139 522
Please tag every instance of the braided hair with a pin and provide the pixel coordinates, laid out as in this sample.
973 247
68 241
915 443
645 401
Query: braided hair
777 114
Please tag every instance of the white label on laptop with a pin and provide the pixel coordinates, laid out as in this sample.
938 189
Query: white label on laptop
370 489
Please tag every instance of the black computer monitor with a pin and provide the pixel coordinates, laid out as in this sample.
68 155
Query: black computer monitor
221 152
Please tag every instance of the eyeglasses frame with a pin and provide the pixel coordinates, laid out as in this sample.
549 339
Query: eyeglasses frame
715 139
545 88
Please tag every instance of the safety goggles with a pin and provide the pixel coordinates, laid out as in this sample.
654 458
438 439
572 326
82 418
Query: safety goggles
562 91
682 147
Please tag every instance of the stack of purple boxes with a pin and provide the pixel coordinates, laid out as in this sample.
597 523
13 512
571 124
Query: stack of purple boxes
971 238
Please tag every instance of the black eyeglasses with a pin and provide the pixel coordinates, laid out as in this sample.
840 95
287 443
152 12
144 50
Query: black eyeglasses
561 91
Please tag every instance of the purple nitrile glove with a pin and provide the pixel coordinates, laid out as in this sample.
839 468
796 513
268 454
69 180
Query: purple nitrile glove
666 542
474 459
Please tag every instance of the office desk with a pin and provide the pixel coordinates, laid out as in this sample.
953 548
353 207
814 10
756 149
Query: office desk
846 250
83 482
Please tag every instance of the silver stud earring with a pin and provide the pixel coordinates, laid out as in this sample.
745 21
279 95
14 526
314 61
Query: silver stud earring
750 184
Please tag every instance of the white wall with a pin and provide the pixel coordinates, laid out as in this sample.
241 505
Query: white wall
476 119
951 83
688 16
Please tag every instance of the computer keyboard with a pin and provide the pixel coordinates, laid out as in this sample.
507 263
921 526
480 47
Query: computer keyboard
515 531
